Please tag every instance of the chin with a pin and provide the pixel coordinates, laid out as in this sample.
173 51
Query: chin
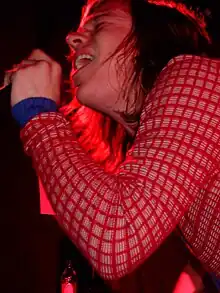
79 95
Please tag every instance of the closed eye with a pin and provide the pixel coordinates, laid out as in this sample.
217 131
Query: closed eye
98 26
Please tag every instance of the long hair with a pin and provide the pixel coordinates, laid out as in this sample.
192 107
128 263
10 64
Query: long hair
103 138
158 33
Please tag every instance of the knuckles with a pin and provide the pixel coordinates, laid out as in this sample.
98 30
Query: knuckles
41 66
37 64
45 61
48 67
57 68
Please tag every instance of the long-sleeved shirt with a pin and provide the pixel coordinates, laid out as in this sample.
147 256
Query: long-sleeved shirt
170 175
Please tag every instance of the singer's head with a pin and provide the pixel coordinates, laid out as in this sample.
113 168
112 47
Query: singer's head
117 52
121 46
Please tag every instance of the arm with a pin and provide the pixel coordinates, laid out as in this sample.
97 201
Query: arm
118 220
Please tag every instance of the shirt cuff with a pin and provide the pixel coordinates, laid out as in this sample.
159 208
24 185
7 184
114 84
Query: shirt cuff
27 109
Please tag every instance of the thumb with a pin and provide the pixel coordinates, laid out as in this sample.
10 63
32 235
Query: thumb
38 55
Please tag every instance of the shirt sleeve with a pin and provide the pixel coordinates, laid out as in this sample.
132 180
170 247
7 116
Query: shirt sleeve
118 220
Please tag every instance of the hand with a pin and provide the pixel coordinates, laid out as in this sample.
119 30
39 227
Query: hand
38 76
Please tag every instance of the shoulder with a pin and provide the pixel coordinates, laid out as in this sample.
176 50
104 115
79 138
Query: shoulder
184 78
192 64
190 72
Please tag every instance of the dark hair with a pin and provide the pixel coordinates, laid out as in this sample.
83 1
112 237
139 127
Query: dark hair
157 35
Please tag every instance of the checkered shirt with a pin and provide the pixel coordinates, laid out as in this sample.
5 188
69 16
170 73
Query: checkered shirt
170 175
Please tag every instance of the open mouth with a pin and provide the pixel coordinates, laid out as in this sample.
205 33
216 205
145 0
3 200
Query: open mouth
83 60
79 63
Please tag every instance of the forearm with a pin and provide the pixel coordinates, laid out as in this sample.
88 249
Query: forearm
89 203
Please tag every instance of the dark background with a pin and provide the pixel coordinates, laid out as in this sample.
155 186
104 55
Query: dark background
32 247
42 24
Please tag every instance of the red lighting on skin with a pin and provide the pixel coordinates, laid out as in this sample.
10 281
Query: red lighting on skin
68 288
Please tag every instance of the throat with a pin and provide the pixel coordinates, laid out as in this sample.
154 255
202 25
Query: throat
131 128
130 122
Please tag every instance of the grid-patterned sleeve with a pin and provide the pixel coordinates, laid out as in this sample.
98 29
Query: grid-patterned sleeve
118 220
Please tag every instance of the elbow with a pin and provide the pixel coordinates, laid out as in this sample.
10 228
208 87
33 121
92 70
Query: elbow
116 262
117 269
112 273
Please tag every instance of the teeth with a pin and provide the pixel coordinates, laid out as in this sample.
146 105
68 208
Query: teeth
79 64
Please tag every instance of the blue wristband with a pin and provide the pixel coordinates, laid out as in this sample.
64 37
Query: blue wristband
27 109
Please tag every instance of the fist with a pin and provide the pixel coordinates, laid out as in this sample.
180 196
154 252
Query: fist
38 76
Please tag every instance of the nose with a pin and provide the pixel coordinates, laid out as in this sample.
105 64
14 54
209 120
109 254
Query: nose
76 39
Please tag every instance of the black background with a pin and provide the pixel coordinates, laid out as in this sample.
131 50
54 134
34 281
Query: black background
32 246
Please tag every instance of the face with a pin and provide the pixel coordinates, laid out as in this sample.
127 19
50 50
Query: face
98 83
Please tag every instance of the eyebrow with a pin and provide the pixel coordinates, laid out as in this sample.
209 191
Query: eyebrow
93 13
96 16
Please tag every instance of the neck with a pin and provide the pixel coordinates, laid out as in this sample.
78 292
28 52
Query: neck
129 122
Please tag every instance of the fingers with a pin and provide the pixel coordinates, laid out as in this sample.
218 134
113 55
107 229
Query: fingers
9 74
7 78
38 58
26 62
39 55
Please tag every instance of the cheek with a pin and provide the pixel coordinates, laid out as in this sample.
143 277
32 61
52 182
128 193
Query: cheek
101 79
98 93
